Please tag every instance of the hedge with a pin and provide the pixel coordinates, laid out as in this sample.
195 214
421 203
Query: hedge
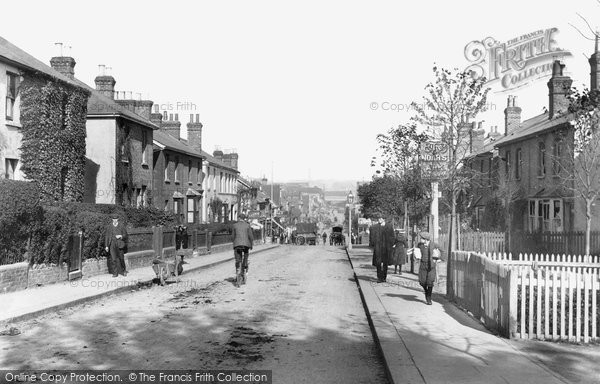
20 214
46 228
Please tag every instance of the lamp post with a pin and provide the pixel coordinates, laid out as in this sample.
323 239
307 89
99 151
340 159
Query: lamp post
350 199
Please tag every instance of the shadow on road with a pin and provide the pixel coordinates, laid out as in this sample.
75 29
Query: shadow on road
414 298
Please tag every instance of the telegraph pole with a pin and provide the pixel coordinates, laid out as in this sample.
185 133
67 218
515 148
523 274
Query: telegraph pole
435 211
272 199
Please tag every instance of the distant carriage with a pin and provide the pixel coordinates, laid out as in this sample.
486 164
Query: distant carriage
306 233
337 237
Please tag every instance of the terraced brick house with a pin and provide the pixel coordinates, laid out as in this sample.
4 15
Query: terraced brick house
177 168
220 185
118 143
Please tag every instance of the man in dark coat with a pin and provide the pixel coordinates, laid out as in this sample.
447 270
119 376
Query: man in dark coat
243 239
375 245
388 236
381 240
115 241
427 268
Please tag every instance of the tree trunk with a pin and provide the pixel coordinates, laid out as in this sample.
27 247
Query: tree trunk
453 234
588 225
405 224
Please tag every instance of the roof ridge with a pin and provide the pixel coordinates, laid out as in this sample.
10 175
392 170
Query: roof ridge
17 55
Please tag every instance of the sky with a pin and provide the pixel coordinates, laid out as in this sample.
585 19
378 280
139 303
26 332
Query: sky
299 89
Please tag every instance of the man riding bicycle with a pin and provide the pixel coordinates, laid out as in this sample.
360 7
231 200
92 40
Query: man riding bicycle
243 239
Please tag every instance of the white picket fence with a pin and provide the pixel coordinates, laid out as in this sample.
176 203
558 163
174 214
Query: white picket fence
545 297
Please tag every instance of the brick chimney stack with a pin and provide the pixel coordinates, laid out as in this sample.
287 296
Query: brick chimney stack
559 87
494 134
64 65
105 84
140 107
227 159
512 115
595 67
218 154
194 131
234 160
156 117
172 126
231 159
477 137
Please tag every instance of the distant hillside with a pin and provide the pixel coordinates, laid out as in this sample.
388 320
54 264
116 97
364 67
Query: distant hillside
333 185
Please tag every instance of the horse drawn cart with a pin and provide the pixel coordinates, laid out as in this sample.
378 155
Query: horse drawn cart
337 237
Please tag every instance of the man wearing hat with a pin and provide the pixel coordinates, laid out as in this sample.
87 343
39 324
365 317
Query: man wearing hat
427 269
115 241
243 238
381 241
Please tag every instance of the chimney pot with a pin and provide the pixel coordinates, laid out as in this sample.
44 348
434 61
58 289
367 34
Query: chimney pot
165 115
594 61
170 117
191 117
197 117
512 115
177 117
559 87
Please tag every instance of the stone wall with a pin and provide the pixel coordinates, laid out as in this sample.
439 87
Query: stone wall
13 277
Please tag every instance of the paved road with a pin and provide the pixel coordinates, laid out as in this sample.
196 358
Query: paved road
300 315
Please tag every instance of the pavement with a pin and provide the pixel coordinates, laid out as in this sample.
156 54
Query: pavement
438 343
29 303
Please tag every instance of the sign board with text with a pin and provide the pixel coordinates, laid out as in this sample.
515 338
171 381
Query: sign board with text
434 157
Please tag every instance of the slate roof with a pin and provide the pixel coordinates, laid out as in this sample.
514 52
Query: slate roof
213 160
487 147
173 144
532 127
100 105
21 59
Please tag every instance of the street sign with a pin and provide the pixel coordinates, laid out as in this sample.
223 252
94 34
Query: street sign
253 214
435 152
434 158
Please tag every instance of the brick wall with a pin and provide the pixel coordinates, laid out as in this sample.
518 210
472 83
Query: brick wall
43 274
20 276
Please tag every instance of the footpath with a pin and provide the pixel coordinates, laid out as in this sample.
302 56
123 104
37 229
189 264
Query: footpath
440 343
29 303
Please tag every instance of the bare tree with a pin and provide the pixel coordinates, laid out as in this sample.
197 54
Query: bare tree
454 98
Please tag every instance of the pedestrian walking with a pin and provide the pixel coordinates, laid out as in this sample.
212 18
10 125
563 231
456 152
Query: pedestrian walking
427 268
243 239
115 242
381 240
324 238
399 253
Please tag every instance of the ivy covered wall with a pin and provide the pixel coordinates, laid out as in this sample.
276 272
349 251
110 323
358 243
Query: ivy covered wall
53 117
